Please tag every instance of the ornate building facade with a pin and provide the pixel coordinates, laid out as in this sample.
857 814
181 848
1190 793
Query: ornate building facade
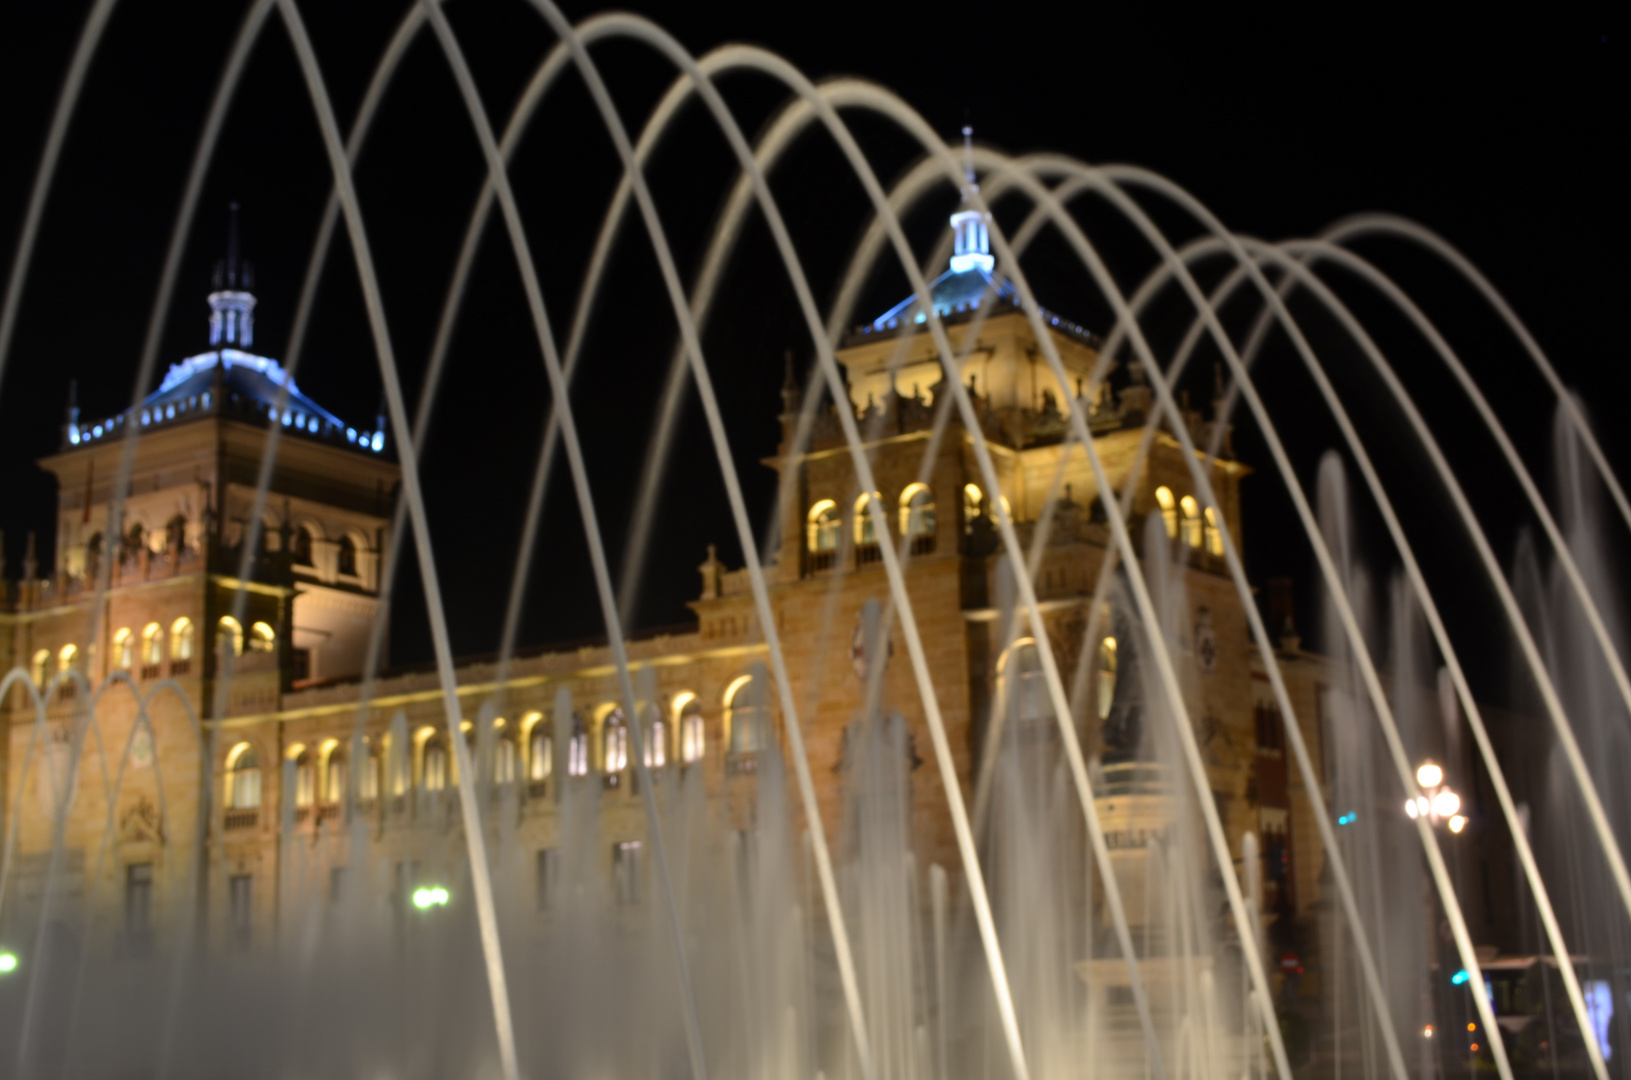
276 744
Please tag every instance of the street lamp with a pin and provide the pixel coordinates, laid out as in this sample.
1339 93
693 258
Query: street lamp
1435 800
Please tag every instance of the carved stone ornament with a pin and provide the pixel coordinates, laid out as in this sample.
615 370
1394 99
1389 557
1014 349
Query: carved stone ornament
140 823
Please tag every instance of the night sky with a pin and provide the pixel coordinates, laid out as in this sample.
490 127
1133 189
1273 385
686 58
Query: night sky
1498 135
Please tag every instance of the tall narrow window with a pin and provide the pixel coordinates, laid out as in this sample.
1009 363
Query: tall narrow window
540 752
152 645
67 657
434 777
505 767
1169 510
302 545
1192 521
656 736
822 525
577 751
40 668
744 714
181 639
1107 676
693 737
1214 538
917 517
124 649
614 743
335 776
348 556
973 505
305 779
243 778
262 638
231 636
866 529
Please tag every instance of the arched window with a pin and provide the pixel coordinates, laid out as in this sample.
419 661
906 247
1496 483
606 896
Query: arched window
1214 538
1107 676
1192 521
434 774
917 518
335 775
614 743
66 658
243 778
1169 510
262 638
866 530
175 535
656 734
505 766
688 719
745 716
822 525
181 639
124 649
348 556
41 667
368 774
302 542
540 750
230 636
1026 684
152 644
577 751
305 779
973 505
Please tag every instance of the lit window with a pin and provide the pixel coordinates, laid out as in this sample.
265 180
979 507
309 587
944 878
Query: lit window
434 775
1026 685
305 779
181 639
1169 511
866 529
577 751
152 643
334 776
540 748
243 778
973 505
41 667
744 716
1107 676
231 636
262 638
505 767
1192 521
917 512
614 742
656 735
692 736
124 649
822 525
1214 538
66 658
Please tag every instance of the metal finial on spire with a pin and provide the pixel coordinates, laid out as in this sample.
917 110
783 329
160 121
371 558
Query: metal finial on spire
968 156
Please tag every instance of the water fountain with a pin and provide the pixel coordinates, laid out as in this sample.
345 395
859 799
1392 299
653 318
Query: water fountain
1083 873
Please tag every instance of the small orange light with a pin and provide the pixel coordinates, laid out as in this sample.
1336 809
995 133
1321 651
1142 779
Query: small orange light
1472 1027
1475 1048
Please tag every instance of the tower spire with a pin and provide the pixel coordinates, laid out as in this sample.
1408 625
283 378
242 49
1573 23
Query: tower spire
973 251
232 305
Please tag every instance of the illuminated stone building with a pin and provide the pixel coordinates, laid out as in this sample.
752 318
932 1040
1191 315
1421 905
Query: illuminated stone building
281 754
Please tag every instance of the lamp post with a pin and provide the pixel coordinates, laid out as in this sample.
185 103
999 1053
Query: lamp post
1434 799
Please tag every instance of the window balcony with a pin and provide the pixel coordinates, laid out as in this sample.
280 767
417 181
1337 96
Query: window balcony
817 561
240 819
866 554
180 667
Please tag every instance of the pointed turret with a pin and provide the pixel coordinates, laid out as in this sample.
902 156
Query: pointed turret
973 251
232 305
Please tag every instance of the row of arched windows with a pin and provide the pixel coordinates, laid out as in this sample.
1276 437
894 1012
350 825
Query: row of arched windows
526 750
1184 518
149 647
824 522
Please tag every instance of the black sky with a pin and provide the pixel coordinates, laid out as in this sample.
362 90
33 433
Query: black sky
1498 133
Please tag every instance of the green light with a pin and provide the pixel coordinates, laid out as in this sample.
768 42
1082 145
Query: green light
8 963
424 899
